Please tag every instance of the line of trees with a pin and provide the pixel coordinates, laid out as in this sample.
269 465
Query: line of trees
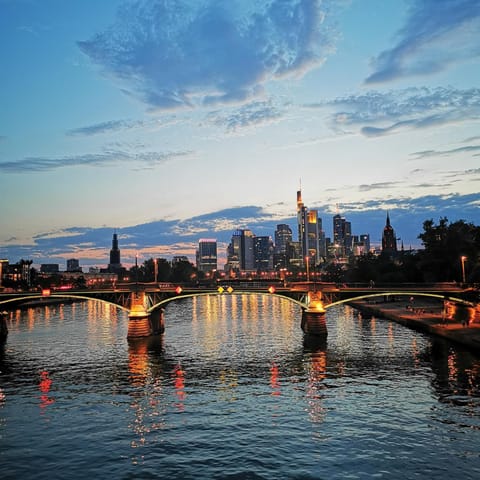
451 252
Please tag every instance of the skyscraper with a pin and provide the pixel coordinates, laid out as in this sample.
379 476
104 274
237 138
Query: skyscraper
283 235
263 253
240 251
207 255
302 224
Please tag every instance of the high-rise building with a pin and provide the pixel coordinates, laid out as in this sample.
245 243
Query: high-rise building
310 234
314 231
342 236
302 219
389 241
73 265
207 255
263 253
339 235
283 235
114 266
240 251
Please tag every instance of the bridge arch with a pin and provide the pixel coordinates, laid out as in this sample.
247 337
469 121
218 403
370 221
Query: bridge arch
62 295
172 298
409 294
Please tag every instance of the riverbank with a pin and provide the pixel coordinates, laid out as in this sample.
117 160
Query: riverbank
429 317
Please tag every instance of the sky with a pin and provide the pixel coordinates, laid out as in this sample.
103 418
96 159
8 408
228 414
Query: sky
169 121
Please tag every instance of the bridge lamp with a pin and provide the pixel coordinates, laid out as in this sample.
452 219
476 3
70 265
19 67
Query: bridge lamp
463 258
220 289
271 289
178 290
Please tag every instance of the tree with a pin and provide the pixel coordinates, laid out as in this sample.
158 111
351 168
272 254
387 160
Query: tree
445 244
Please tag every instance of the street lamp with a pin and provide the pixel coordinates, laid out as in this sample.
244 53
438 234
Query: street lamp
308 272
155 269
463 258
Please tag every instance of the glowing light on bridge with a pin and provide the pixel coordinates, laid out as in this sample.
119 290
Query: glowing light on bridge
178 290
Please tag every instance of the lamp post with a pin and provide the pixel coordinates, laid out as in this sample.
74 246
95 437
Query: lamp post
155 266
463 258
308 271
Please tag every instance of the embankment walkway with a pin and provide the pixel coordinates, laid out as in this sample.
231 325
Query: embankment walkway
425 316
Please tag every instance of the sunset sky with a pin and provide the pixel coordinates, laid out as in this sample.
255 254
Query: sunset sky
175 120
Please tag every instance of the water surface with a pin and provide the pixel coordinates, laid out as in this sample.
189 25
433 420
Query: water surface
233 390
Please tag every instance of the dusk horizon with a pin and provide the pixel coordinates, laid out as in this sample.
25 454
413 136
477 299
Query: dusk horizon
176 120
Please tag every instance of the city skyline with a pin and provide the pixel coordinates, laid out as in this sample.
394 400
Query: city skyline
143 116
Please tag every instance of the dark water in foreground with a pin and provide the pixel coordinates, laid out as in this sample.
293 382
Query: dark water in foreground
233 390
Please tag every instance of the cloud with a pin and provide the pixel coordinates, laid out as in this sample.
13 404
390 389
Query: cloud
377 186
193 52
445 153
252 114
436 36
382 113
120 125
43 164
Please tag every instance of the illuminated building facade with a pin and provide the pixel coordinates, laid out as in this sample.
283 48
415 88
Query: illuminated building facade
207 255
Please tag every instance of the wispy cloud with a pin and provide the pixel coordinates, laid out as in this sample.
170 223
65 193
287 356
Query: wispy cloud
42 164
252 114
436 35
381 113
445 153
185 53
121 125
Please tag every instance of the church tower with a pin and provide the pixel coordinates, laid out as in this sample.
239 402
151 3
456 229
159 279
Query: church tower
114 266
389 241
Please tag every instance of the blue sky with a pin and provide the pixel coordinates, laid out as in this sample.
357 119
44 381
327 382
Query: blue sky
174 120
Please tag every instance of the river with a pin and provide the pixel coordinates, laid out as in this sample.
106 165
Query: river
233 390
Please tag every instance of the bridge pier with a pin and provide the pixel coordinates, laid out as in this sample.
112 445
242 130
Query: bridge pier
3 326
138 318
313 317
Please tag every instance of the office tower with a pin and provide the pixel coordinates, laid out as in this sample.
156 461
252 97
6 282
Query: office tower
114 265
302 225
313 230
73 265
339 235
263 253
365 240
207 255
283 235
389 241
240 251
361 244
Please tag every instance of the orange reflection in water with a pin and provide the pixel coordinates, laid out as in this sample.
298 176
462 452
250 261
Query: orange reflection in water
138 363
274 375
179 380
45 385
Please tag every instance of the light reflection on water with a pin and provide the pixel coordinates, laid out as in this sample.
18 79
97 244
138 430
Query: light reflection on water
232 390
